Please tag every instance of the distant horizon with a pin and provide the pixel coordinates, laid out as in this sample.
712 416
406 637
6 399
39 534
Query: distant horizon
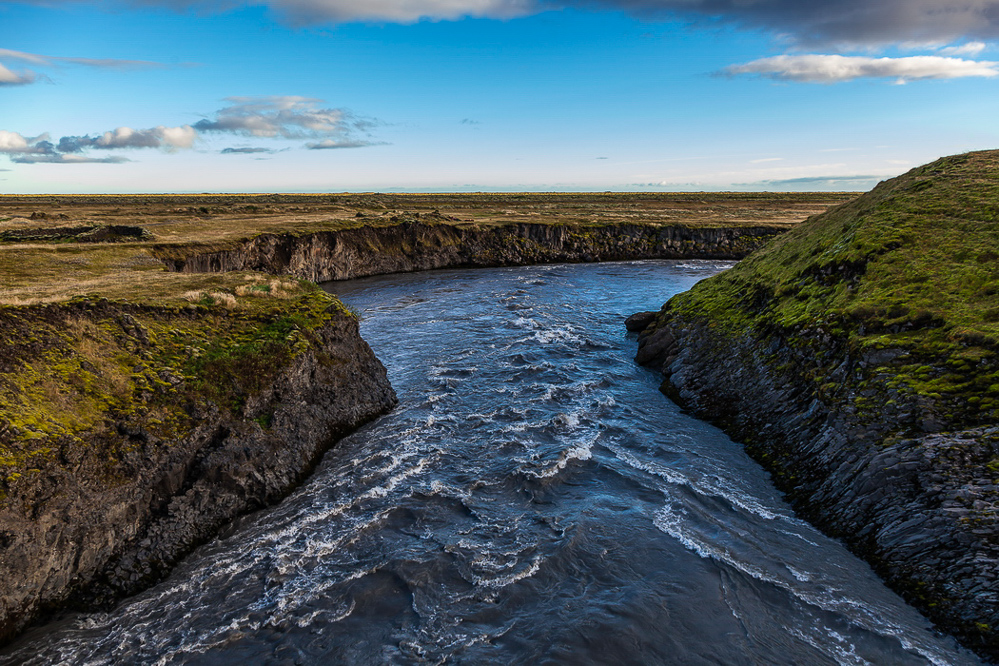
429 193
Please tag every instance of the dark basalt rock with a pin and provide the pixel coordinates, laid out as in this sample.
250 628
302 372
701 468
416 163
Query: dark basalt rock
639 321
923 510
419 245
72 536
114 233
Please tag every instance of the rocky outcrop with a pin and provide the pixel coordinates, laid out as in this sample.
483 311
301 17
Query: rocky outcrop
106 512
103 233
414 246
921 507
857 359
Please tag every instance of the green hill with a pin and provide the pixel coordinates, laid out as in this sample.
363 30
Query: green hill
912 265
855 357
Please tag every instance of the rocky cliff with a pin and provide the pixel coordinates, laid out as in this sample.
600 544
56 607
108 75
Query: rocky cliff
436 241
133 433
856 358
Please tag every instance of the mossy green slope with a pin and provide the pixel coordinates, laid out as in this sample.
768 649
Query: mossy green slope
857 358
912 265
72 375
131 431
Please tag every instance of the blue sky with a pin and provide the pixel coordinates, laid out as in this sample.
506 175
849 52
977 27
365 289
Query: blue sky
455 95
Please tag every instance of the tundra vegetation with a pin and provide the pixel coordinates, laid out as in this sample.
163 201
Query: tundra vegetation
912 267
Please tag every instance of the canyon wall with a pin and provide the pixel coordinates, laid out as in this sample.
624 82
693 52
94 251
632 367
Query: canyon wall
423 245
140 453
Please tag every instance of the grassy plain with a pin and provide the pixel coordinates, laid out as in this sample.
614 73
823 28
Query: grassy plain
35 272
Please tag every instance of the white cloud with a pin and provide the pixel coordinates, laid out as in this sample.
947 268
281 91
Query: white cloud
244 151
837 68
156 137
9 78
331 144
288 117
61 158
969 49
169 138
49 61
268 117
766 159
401 11
13 143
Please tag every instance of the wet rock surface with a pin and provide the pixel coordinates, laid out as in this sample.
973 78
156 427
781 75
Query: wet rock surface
76 536
909 491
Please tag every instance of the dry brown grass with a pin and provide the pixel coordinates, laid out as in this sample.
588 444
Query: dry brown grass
40 272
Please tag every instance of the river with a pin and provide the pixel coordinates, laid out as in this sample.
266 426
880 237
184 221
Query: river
533 500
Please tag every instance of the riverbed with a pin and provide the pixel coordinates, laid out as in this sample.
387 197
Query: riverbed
533 499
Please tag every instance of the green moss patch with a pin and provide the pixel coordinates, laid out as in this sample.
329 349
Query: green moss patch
912 266
106 378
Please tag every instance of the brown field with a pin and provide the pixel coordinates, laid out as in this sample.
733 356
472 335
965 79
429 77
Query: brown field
36 271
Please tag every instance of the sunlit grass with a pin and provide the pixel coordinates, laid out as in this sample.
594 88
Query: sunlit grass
913 265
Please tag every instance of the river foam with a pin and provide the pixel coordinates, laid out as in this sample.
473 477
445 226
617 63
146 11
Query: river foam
533 499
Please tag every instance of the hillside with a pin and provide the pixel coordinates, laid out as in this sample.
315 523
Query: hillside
856 357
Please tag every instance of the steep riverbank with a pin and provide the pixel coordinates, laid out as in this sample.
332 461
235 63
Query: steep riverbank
133 433
433 241
856 358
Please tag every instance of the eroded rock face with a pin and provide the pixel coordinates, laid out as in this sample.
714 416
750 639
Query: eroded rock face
416 246
75 534
923 508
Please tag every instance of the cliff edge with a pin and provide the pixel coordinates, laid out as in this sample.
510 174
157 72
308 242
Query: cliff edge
856 358
132 433
142 409
436 241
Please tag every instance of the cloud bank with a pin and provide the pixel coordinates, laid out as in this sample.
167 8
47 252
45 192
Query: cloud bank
843 22
10 78
853 23
288 117
260 117
837 68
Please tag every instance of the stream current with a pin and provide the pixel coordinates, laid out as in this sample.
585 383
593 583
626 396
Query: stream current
533 499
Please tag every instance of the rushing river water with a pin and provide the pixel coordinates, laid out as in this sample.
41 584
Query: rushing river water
532 500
